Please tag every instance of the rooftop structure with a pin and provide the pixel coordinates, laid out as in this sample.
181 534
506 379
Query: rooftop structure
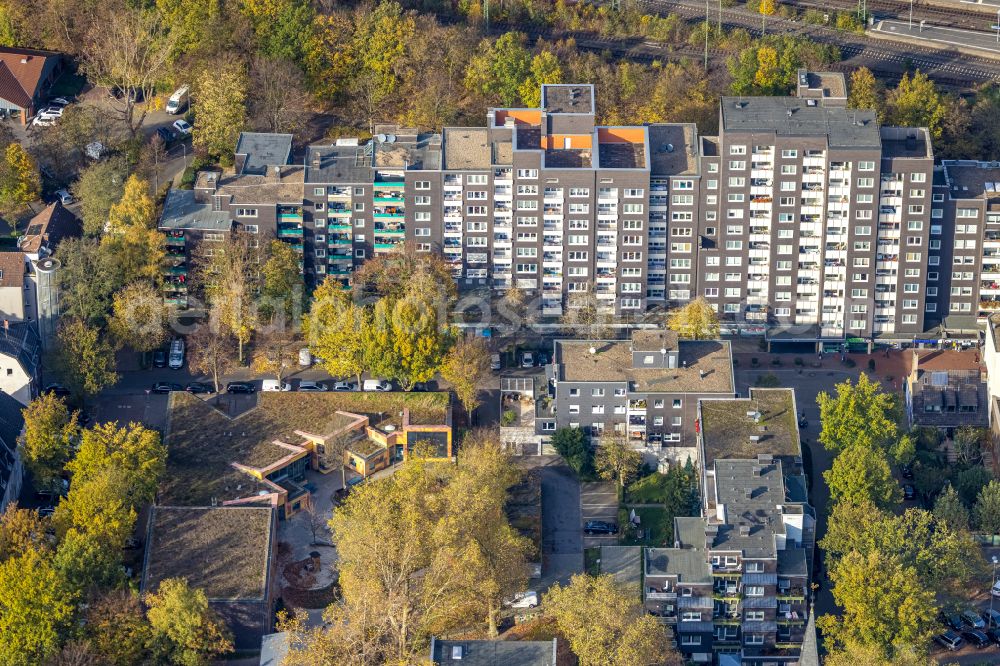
12 270
968 179
906 142
182 210
25 76
256 151
568 98
466 148
11 425
766 422
229 552
946 397
828 88
674 149
790 116
46 229
701 366
493 653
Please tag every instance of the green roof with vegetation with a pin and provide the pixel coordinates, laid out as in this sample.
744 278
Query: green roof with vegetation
727 427
202 441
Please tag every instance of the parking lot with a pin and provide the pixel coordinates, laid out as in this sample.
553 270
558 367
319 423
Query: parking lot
598 501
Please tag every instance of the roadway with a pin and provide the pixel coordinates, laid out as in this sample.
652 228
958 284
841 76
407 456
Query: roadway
940 36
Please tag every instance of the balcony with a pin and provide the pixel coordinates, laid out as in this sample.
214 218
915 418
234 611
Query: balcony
289 231
388 213
337 226
339 211
175 239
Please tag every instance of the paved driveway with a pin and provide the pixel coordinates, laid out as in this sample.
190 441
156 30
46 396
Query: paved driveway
562 545
598 501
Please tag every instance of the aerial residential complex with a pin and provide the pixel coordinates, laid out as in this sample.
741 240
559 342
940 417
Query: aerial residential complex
802 220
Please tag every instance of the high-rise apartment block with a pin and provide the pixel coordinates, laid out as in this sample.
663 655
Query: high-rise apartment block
801 219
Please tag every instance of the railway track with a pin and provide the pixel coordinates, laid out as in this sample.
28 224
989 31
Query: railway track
900 9
858 49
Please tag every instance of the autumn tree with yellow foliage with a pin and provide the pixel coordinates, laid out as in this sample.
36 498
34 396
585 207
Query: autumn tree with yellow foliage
695 321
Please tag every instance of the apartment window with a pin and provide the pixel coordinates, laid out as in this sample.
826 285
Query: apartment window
359 222
597 392
476 179
597 409
359 254
527 173
360 191
422 200
319 252
866 166
866 182
918 177
358 207
755 616
577 256
527 268
737 165
909 304
633 208
214 237
250 212
574 409
319 191
689 639
683 185
864 199
754 590
737 182
476 195
737 150
788 169
786 201
251 228
754 639
913 256
634 193
711 184
789 186
579 192
423 247
422 185
478 210
574 392
862 231
421 216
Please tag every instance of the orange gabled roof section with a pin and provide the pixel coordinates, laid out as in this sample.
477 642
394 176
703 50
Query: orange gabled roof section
621 135
531 117
576 141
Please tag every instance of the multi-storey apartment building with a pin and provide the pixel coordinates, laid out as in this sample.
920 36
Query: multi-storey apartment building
735 586
645 389
802 219
263 197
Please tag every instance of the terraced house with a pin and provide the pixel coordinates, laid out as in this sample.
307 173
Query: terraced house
735 586
801 220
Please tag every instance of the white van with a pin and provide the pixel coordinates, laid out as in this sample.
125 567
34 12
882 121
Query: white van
178 101
275 385
176 358
305 357
376 385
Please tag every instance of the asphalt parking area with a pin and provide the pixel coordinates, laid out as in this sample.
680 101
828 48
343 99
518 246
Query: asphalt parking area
598 501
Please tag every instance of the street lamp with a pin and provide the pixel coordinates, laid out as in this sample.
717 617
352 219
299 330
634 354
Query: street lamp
911 15
995 562
997 26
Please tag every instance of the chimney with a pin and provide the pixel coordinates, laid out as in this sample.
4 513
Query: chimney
765 458
744 530
749 493
702 374
756 470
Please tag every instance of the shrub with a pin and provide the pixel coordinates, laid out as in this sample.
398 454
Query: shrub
507 418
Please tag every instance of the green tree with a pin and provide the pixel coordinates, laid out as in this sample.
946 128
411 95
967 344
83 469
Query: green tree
380 41
545 68
20 182
36 609
574 446
85 280
134 451
282 27
865 416
970 481
866 92
466 367
275 353
230 280
695 321
98 188
50 430
860 474
949 509
500 69
221 93
21 530
117 628
335 330
885 606
768 76
98 507
766 8
186 630
85 359
87 563
134 210
987 508
606 624
616 461
281 292
139 317
916 102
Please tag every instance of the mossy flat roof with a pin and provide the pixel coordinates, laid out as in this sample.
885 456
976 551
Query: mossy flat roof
727 427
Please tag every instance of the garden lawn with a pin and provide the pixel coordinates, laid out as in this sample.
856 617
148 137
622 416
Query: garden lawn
657 526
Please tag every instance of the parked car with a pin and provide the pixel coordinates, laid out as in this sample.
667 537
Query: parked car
527 360
160 358
949 640
182 127
166 135
58 389
952 621
495 363
44 511
240 387
973 619
275 385
377 385
906 471
315 387
132 543
976 638
199 387
424 387
64 197
178 101
803 422
600 527
43 121
528 599
992 618
909 492
165 387
59 101
176 354
342 386
995 591
543 358
305 357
